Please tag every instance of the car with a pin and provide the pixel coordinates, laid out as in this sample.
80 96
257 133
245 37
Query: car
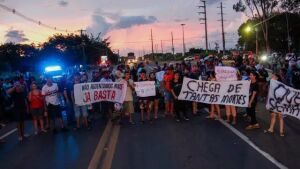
190 58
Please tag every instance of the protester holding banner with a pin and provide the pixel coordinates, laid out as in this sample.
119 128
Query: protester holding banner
143 101
194 75
214 107
81 112
273 115
252 101
154 100
179 105
168 77
128 108
106 107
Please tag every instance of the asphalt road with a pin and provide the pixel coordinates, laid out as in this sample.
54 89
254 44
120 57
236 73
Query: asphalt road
164 144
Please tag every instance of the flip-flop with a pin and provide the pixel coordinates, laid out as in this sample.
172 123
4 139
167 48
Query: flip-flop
268 132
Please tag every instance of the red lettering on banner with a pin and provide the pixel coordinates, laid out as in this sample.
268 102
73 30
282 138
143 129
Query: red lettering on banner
104 95
113 95
87 98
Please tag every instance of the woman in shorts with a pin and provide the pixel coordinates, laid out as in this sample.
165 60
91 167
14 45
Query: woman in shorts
36 107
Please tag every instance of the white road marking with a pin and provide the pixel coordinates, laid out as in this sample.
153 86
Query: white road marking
8 133
247 140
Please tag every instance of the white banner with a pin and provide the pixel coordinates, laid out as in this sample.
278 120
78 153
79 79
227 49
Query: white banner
283 99
145 88
225 73
234 93
87 93
160 75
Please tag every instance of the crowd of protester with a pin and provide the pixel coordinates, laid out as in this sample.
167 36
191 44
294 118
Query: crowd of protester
43 99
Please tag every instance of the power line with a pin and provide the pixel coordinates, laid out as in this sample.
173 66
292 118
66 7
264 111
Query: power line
14 11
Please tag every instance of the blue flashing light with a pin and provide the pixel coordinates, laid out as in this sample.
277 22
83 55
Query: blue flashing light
52 68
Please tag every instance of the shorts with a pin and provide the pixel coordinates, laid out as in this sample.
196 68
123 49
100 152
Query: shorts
54 111
168 96
128 107
37 112
80 110
143 103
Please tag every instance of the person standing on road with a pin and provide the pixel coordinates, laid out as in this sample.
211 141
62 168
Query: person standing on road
79 110
274 114
36 100
52 103
18 96
143 101
194 75
106 107
214 107
128 108
179 105
252 101
168 77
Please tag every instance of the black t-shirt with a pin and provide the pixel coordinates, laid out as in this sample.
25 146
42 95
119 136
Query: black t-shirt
296 78
254 88
176 86
18 99
263 74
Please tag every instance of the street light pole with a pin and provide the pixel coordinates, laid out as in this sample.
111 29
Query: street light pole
183 43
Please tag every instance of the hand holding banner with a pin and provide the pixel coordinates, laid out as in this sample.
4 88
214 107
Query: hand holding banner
145 88
235 93
87 93
225 73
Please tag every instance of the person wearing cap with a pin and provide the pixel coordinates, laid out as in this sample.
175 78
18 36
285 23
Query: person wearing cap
18 96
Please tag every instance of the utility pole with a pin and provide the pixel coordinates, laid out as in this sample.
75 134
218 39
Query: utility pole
161 46
81 31
205 22
173 49
183 43
222 23
152 46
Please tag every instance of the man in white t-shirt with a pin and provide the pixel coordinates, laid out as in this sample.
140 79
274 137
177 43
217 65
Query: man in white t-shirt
52 103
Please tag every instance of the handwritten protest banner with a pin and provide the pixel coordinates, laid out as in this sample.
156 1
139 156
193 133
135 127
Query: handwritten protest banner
283 99
145 88
234 93
160 75
225 73
87 93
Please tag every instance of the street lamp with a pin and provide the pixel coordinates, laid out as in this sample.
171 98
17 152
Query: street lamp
183 44
250 29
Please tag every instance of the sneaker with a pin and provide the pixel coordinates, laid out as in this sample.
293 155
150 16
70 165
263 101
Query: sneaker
36 133
186 119
43 130
178 120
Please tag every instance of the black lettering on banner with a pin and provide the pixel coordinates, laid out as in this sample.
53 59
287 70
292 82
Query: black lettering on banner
231 88
238 88
85 87
188 84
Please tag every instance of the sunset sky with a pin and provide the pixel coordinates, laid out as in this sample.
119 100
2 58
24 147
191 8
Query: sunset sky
126 22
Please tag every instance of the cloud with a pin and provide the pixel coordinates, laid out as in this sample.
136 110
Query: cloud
15 36
129 21
63 3
99 24
181 20
106 21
